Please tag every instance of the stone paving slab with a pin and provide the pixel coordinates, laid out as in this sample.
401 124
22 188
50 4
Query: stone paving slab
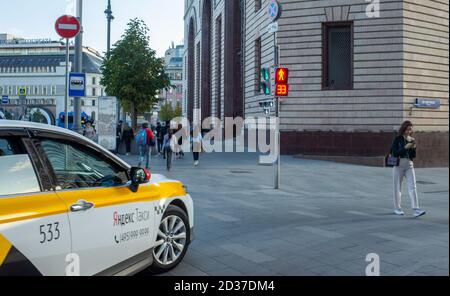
324 221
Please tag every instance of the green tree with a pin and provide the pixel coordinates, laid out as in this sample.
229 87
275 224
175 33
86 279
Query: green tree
132 72
166 113
178 111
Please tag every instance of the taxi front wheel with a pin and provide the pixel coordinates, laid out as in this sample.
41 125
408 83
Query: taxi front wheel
172 240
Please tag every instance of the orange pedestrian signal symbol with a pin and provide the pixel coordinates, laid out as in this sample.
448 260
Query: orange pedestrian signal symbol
281 75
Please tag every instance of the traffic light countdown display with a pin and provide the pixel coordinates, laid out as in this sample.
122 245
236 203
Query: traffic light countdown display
281 82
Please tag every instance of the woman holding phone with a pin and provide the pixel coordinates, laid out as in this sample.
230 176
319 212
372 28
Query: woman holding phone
404 147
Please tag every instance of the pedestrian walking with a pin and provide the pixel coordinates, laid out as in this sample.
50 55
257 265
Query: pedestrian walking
143 140
127 137
118 135
159 137
404 148
165 130
196 142
89 131
169 145
181 133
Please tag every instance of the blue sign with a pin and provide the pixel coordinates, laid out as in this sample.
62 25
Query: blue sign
274 10
77 85
5 99
428 103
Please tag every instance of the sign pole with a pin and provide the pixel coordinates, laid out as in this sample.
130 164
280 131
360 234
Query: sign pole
66 92
274 13
78 67
277 116
67 27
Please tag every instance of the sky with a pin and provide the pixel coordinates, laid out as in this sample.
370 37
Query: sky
34 19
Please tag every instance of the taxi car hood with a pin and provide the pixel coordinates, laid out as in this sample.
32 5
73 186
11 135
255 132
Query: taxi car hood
157 178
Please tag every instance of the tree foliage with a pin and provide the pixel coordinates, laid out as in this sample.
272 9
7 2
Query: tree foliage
178 111
132 72
167 113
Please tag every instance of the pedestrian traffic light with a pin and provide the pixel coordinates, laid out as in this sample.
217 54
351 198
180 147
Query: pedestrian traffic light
281 75
265 81
281 82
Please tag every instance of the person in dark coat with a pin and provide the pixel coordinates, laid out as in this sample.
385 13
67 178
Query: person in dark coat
127 137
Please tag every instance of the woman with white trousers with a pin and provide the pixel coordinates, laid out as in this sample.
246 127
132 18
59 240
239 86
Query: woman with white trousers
404 147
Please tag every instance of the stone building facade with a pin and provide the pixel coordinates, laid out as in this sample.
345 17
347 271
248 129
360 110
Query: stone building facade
356 70
173 61
39 66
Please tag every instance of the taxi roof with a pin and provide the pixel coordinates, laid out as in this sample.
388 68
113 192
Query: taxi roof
50 128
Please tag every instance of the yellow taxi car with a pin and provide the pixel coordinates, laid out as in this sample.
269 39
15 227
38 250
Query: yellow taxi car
70 207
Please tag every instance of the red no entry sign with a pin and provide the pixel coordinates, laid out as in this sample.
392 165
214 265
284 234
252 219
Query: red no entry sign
67 26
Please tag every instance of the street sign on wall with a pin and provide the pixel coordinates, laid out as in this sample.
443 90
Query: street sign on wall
428 103
77 85
22 91
274 10
273 27
5 99
67 26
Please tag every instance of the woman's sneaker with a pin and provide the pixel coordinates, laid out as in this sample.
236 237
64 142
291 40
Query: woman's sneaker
418 213
399 212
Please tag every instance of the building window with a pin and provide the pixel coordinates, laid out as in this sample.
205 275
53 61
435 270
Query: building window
82 103
94 81
258 5
94 92
93 103
337 56
257 66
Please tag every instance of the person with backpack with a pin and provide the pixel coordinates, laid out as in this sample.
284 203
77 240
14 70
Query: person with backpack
404 148
144 140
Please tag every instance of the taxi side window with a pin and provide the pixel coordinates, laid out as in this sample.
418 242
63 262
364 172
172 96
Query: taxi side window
76 167
17 175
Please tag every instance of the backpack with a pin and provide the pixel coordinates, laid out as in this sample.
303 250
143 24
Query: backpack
141 138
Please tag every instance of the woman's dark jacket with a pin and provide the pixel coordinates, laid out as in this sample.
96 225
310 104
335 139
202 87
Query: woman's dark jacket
128 135
398 149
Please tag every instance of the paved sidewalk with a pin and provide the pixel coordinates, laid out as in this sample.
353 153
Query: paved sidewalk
324 221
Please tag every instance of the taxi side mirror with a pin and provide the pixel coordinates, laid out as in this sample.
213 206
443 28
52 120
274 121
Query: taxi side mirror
138 176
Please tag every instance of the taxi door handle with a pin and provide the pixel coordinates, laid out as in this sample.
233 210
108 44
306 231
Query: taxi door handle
81 206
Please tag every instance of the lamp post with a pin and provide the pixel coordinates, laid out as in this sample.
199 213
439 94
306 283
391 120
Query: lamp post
109 19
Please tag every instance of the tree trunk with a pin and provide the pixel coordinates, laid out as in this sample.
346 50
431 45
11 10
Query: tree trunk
134 115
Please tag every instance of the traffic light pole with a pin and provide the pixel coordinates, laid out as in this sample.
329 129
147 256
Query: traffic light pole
277 116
